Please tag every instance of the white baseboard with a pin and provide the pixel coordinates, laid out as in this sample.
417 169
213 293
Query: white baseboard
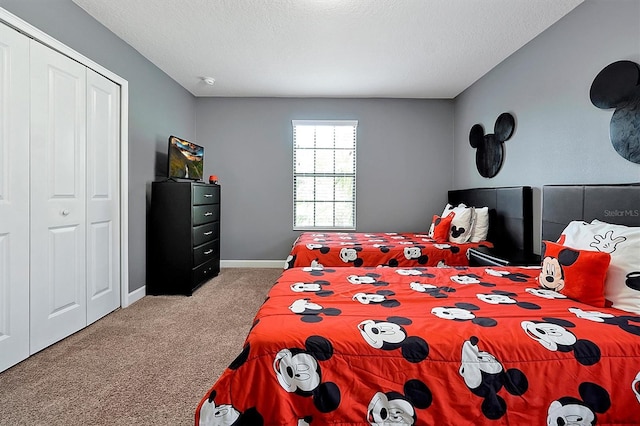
252 264
136 295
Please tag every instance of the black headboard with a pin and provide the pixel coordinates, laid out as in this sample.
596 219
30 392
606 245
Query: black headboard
510 215
619 204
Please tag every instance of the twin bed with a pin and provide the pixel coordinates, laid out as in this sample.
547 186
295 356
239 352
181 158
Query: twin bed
509 216
456 345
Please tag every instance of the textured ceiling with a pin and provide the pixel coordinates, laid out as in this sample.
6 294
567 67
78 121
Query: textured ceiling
327 48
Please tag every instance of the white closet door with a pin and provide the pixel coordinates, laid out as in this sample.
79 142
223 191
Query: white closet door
14 197
58 193
103 217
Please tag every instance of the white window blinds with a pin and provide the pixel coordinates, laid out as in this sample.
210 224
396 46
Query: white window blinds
324 174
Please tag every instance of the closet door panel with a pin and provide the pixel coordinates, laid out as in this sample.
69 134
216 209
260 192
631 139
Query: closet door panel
14 197
58 197
103 159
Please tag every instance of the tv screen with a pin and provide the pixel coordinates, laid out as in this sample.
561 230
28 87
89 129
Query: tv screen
186 159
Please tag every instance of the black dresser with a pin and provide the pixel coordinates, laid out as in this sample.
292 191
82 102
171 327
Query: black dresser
183 236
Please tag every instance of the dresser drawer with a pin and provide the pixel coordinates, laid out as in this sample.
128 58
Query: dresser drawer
206 194
205 214
205 252
206 233
205 271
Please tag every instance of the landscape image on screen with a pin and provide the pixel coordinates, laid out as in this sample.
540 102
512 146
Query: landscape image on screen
185 159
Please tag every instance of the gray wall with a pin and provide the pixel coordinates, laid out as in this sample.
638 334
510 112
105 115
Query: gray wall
158 106
409 151
404 159
560 137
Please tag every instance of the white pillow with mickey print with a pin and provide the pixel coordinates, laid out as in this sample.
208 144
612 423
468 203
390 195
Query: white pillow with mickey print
462 223
622 283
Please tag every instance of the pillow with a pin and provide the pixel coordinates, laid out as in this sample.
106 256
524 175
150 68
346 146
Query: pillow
480 228
448 209
578 274
621 287
461 224
439 229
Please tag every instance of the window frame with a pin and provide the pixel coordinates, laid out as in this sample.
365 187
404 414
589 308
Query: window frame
334 174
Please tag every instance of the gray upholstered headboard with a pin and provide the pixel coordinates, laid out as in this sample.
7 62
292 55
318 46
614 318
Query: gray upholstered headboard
619 204
510 215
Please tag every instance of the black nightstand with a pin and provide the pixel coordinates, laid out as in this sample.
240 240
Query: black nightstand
484 256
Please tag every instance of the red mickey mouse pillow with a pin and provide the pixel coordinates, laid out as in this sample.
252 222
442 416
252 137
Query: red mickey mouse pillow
578 274
439 230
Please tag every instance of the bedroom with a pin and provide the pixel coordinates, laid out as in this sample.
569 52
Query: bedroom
561 137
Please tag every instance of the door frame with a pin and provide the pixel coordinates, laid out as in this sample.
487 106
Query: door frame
30 31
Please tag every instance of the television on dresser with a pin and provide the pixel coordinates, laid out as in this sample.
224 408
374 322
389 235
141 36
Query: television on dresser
186 159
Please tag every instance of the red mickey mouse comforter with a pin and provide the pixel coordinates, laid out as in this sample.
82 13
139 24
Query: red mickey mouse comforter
381 249
428 346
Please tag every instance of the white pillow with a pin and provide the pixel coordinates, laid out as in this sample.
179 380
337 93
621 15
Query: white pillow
448 209
480 228
622 286
461 224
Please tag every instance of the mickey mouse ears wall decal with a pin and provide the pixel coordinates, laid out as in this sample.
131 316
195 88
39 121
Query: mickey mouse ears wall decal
490 147
618 86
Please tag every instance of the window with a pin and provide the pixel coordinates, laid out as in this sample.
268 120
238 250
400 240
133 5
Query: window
324 174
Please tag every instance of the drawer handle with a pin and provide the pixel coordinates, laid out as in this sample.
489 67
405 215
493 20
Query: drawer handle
208 195
208 214
208 252
208 233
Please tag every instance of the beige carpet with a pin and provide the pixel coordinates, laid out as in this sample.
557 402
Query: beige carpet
148 364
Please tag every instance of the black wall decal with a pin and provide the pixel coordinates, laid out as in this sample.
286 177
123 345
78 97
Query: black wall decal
490 148
618 86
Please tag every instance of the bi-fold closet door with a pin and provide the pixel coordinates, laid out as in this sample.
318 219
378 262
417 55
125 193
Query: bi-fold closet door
14 197
59 192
